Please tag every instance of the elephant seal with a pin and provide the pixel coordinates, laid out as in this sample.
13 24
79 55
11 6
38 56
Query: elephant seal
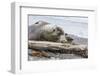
44 31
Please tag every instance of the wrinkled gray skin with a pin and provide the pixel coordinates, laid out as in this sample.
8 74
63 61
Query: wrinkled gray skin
44 31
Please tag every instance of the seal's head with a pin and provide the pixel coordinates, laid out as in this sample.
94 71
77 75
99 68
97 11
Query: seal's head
51 33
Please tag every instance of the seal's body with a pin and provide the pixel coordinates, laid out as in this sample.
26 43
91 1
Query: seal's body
44 31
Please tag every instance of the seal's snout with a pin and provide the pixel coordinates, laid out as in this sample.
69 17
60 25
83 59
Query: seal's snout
60 31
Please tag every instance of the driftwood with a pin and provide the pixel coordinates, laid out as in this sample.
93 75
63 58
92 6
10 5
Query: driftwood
59 47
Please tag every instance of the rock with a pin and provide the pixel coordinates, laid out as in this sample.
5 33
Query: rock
36 53
54 47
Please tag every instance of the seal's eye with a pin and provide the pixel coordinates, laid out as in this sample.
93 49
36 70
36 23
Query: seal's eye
37 23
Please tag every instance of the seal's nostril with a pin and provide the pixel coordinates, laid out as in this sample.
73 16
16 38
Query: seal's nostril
53 30
66 34
59 34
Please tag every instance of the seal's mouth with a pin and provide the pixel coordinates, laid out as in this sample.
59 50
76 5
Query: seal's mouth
49 36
